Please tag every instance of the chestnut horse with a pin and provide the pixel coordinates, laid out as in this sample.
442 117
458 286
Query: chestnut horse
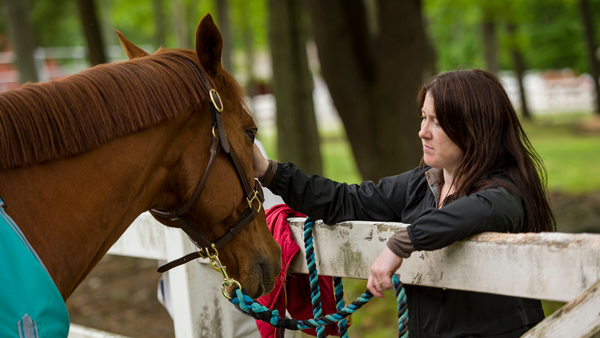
82 157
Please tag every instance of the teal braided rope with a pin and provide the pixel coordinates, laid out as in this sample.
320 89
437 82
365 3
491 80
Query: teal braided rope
402 307
315 289
246 304
339 304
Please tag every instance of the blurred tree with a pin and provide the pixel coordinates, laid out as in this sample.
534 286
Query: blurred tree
104 13
180 22
22 38
92 31
159 22
225 28
490 38
519 68
373 76
56 23
586 18
297 137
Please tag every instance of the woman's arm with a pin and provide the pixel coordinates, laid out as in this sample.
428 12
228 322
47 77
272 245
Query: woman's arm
322 198
494 209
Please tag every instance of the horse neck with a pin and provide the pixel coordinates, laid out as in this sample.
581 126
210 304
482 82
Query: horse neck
73 210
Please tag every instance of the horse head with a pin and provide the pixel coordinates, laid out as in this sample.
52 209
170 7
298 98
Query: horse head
206 197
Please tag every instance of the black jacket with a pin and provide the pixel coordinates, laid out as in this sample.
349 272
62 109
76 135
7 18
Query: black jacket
409 198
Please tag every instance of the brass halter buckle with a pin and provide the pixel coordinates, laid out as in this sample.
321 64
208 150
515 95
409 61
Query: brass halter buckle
251 200
216 264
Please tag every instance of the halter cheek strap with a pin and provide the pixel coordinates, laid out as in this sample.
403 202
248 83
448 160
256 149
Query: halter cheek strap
174 217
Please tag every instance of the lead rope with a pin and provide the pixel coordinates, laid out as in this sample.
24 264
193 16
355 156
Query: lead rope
249 306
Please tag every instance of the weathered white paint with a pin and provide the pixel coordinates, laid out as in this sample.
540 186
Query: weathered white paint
579 318
199 309
78 331
552 266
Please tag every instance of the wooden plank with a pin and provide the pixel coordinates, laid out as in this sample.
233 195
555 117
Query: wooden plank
552 266
143 239
577 319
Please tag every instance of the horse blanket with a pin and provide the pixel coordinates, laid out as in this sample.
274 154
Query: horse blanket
30 304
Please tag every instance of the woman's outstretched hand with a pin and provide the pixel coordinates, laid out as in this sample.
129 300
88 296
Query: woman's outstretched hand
260 163
380 278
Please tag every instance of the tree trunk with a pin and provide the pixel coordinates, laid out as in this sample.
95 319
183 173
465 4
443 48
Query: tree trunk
159 23
21 36
225 28
180 23
298 139
92 31
584 9
519 67
490 40
108 30
374 88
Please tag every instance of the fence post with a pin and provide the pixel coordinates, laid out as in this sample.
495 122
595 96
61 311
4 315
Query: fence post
199 308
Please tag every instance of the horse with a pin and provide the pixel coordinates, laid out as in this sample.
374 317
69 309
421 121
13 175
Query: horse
81 157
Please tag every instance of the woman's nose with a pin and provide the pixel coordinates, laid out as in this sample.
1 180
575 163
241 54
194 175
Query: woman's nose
423 132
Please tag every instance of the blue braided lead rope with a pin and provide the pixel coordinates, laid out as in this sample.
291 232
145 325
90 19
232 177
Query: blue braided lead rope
313 277
246 304
402 307
339 304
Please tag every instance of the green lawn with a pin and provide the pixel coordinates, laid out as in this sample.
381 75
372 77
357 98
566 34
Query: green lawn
572 162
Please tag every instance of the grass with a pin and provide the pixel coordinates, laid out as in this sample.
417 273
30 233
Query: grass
572 162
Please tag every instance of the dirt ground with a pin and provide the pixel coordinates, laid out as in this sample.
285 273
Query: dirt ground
119 295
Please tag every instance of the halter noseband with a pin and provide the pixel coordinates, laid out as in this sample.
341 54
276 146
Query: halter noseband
174 217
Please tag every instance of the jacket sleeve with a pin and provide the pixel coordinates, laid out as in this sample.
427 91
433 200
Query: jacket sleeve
495 209
334 202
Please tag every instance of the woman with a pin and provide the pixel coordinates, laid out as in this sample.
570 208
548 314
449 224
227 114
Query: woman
481 174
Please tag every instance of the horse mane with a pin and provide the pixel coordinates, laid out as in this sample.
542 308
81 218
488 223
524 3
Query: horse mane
62 118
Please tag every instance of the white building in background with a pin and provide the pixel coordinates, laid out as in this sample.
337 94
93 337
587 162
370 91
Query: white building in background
551 92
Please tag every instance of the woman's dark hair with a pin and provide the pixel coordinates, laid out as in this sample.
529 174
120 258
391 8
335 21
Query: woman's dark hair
474 110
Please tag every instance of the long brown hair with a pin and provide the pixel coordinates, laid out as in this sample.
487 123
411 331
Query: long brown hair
474 110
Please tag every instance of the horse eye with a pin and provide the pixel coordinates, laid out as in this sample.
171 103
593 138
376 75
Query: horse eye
251 134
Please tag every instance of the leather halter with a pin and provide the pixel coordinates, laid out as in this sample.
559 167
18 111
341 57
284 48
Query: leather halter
174 217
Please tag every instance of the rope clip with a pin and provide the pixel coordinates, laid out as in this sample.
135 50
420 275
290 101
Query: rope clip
216 264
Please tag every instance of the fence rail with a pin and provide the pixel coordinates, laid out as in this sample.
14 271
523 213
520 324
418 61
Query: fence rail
552 266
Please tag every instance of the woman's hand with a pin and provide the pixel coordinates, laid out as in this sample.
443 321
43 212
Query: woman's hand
260 163
380 278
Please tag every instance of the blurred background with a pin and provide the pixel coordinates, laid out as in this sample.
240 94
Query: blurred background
333 86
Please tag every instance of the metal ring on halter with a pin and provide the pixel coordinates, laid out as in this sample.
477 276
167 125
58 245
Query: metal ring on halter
255 197
213 94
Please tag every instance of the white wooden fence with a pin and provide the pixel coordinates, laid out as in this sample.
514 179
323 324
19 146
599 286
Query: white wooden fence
551 266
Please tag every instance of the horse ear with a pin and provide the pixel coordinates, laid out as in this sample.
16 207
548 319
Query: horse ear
209 45
131 50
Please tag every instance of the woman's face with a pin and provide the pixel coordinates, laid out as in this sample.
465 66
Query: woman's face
438 150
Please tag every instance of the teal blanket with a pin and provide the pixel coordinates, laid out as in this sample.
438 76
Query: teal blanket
30 304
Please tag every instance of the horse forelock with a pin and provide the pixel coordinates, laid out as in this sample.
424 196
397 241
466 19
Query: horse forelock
66 117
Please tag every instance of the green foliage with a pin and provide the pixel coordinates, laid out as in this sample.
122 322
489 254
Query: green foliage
135 19
549 33
56 23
